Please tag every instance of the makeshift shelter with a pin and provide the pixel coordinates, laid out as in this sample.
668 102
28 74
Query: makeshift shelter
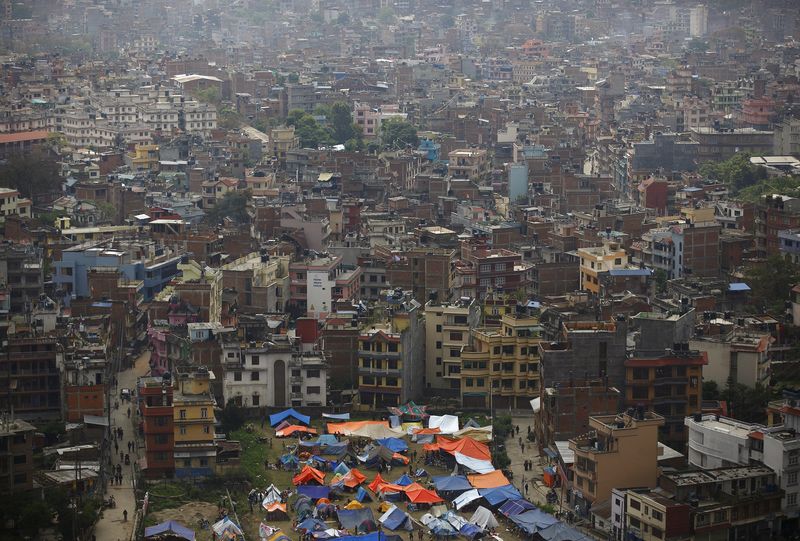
294 429
423 496
378 481
349 519
451 483
466 446
311 524
498 496
515 507
170 527
226 529
278 536
327 439
470 531
283 424
341 468
471 423
404 480
410 409
374 536
289 460
352 478
308 475
484 518
410 428
337 416
362 495
488 480
276 511
482 434
561 532
474 464
396 519
395 444
533 520
271 495
315 492
365 429
466 498
276 418
447 424
354 504
439 527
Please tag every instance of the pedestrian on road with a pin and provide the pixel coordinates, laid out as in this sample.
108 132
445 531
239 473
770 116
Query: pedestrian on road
116 446
121 456
526 489
129 412
125 515
523 447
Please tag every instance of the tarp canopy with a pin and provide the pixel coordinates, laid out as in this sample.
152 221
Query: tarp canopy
562 532
314 492
362 495
312 524
354 504
515 507
488 480
374 536
293 429
466 446
451 483
395 444
291 412
404 480
365 429
481 434
172 527
271 495
226 529
410 409
447 424
275 507
474 464
497 496
307 475
341 468
471 423
351 518
351 479
466 497
378 481
533 520
327 439
469 530
423 496
289 459
410 428
337 416
396 519
484 518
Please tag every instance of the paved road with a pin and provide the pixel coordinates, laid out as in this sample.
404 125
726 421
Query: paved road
111 526
536 490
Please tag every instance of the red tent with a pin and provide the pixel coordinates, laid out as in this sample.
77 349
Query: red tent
378 481
308 474
424 496
466 446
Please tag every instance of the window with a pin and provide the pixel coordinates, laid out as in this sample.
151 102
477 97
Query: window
635 504
438 361
791 478
640 373
183 431
204 413
438 345
312 373
657 515
254 360
206 430
635 522
204 462
254 375
20 459
469 382
392 347
256 400
182 414
639 393
237 376
791 499
456 336
656 533
793 458
438 328
313 390
391 382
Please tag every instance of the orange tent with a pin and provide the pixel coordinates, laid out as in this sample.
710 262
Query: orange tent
391 487
308 474
353 478
488 480
291 429
424 496
423 431
430 446
401 458
378 481
466 446
275 506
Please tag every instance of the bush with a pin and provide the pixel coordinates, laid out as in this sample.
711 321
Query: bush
501 428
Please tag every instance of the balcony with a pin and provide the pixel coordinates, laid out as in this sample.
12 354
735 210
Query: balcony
378 372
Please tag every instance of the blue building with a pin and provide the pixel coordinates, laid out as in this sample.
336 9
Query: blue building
154 266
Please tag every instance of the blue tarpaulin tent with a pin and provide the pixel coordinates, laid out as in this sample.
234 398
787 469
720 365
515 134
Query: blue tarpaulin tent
396 519
362 495
404 481
341 468
395 444
562 532
327 439
533 520
515 507
469 530
172 527
351 518
314 492
312 524
452 483
374 536
291 412
498 495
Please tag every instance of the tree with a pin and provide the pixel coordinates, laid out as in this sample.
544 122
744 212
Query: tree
293 77
737 171
710 390
341 121
32 174
745 403
771 281
783 185
209 95
232 205
397 133
307 129
386 15
233 417
230 119
660 276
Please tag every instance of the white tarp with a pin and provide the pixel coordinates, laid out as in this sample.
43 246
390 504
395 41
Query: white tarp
374 432
536 404
475 464
447 424
484 518
226 525
272 495
466 497
482 434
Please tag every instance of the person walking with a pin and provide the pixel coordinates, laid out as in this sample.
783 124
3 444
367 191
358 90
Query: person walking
125 515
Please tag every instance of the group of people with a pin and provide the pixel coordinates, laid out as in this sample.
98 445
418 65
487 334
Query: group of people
528 465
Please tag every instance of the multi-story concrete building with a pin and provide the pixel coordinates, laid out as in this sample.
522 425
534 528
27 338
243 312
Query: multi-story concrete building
273 373
597 261
391 355
31 384
16 461
261 282
621 451
12 204
447 332
500 369
468 163
716 145
193 418
775 213
157 425
789 247
741 356
316 282
21 272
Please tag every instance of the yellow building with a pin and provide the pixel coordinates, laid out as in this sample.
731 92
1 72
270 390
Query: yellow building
145 158
281 140
447 332
501 367
621 451
599 259
193 418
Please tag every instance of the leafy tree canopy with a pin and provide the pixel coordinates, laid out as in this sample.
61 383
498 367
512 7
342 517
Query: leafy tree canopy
398 133
32 174
737 172
771 281
232 205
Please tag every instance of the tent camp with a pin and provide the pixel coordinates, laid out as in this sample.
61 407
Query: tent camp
396 519
465 446
271 495
276 418
498 496
484 518
350 519
474 464
466 498
362 495
375 455
309 475
351 479
315 492
447 424
533 520
226 529
294 429
365 429
423 496
561 532
378 481
395 444
170 527
488 480
276 511
451 483
374 536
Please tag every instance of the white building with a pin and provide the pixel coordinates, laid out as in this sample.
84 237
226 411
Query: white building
273 373
741 355
698 21
720 442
